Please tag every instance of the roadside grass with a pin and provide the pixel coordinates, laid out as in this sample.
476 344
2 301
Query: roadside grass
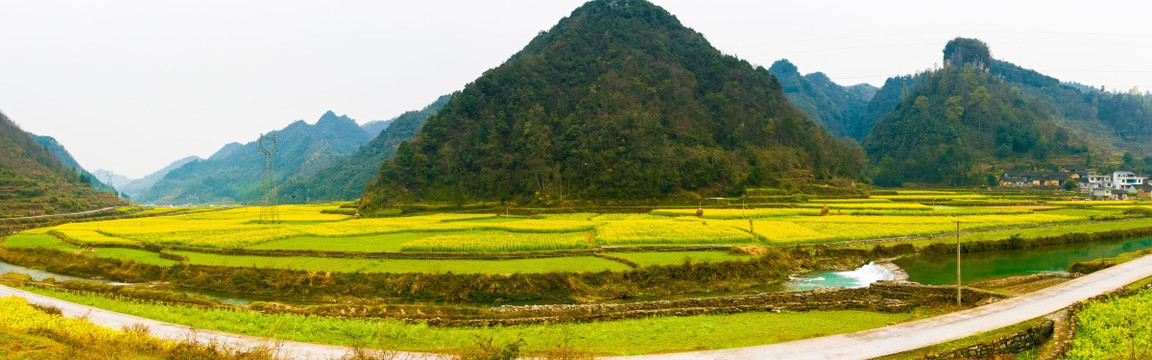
30 332
675 258
457 266
962 343
1103 263
1114 328
622 337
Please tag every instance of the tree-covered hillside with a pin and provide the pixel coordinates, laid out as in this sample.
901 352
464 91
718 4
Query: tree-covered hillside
839 109
68 161
1115 122
34 182
617 102
234 173
962 123
346 178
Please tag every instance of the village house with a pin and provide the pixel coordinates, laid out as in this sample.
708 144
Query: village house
1033 179
1144 192
1127 181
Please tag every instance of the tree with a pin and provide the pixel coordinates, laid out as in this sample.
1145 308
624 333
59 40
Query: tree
991 180
1070 185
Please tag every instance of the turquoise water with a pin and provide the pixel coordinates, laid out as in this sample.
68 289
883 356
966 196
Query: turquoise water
40 275
941 269
858 278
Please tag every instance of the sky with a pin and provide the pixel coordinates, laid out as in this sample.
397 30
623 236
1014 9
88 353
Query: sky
131 86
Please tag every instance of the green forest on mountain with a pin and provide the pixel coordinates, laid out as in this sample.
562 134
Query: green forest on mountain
34 182
616 102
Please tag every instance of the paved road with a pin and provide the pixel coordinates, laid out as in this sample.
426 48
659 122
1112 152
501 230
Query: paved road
865 344
55 215
287 349
893 339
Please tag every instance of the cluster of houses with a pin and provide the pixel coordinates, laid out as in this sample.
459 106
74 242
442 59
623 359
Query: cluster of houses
1119 185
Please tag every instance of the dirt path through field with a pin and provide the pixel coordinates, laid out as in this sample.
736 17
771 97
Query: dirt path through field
859 345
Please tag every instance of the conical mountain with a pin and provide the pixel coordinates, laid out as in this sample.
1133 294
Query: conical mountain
961 123
618 101
234 173
33 181
346 178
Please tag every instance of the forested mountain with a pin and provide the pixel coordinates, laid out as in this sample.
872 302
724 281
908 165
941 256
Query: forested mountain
963 122
68 161
887 98
839 109
137 187
346 178
617 102
373 128
234 173
1117 122
33 181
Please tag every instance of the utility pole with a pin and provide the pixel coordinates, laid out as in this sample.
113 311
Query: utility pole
958 292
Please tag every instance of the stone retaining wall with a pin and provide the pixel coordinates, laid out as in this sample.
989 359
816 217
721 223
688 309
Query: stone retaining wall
881 296
1011 344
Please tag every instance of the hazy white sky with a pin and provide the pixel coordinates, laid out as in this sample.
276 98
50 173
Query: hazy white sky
133 85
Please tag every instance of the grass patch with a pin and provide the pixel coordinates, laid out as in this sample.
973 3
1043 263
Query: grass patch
500 241
678 257
37 241
624 337
524 266
364 243
51 242
1047 231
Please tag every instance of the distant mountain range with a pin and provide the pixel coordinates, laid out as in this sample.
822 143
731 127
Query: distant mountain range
373 128
234 173
33 180
134 188
345 179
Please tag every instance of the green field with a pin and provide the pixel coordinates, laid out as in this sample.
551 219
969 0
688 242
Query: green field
624 337
51 242
623 247
1054 230
306 228
558 264
1114 328
363 243
677 257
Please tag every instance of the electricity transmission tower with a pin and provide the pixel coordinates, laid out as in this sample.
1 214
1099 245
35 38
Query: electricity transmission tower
268 146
